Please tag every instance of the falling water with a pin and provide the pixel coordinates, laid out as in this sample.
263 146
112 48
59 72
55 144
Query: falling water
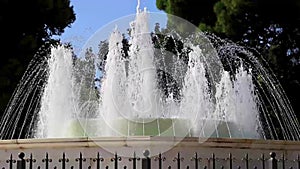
112 91
58 103
23 108
205 87
141 70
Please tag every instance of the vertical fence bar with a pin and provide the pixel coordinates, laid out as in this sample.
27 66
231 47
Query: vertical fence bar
21 163
214 161
178 159
146 162
230 161
11 161
46 160
63 161
98 160
80 160
115 160
298 159
31 161
134 159
246 159
273 161
283 161
196 159
263 159
160 160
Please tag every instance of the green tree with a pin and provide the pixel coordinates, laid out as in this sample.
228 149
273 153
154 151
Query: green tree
25 27
190 9
270 26
85 80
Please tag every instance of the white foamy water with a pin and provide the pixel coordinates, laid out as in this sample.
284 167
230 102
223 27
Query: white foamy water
187 91
212 102
59 100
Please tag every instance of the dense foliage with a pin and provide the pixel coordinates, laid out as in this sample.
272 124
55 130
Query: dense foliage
270 26
25 27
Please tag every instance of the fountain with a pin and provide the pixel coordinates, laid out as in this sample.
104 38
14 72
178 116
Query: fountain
174 97
178 82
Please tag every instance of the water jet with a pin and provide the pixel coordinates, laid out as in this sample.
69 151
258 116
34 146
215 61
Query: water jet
175 81
148 99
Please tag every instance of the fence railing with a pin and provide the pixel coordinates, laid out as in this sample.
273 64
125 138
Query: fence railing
188 154
24 162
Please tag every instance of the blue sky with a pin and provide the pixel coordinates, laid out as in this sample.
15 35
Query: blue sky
94 14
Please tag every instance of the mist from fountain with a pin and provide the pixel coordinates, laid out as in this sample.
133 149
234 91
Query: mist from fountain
155 92
59 100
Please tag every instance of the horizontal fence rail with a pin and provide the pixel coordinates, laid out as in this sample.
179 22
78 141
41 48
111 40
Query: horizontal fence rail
27 161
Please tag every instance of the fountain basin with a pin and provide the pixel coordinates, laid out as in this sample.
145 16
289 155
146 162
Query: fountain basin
205 128
169 127
174 127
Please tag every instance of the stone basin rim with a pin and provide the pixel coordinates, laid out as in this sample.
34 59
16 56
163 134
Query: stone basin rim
143 140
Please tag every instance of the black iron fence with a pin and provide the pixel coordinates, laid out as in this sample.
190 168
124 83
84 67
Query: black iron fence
266 161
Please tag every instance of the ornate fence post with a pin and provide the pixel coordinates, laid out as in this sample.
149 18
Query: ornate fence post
263 159
178 159
31 161
160 160
116 159
146 162
196 159
63 161
98 160
21 164
273 161
46 160
11 161
80 160
246 159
